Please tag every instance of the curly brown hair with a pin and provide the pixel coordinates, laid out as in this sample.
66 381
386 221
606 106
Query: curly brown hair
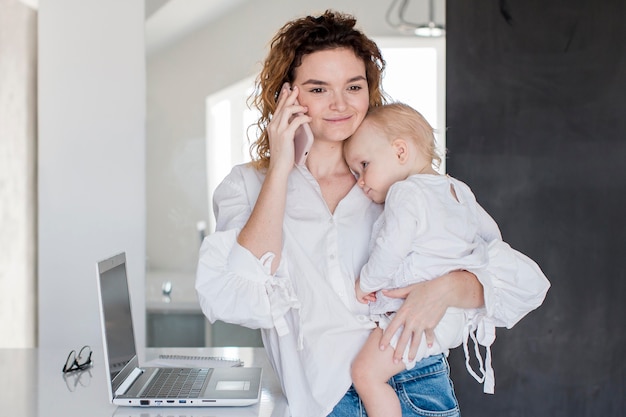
291 43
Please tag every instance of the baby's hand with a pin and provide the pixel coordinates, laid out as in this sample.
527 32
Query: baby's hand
361 296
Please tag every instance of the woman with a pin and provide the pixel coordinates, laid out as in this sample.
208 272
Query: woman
291 240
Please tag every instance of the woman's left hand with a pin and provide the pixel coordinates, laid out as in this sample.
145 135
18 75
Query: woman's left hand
426 303
420 313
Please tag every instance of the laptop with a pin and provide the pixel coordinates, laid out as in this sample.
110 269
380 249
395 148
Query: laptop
132 385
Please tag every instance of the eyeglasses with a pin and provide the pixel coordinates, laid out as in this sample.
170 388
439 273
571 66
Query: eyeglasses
82 361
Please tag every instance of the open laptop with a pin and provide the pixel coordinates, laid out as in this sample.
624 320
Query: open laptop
131 385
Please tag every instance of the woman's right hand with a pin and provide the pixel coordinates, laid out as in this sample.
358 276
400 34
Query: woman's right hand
281 129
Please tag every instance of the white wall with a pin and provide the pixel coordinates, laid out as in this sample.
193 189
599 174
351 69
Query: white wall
91 161
18 53
181 76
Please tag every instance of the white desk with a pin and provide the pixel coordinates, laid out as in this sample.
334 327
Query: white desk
32 385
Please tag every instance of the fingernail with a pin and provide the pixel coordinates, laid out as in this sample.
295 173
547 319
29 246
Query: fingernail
382 347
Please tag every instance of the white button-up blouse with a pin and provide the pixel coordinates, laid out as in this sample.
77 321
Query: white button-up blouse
311 324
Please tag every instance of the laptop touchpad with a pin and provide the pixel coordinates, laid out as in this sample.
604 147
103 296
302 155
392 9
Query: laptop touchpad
232 386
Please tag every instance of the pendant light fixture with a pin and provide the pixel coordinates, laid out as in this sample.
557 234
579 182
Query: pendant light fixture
429 29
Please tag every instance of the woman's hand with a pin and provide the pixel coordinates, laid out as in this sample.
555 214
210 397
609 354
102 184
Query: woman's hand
424 306
281 129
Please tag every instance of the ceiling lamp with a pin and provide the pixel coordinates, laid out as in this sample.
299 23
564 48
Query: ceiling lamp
430 29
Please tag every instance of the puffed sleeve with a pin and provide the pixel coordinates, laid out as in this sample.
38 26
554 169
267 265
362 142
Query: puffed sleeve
232 284
514 285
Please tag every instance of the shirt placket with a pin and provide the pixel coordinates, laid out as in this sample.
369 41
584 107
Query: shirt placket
332 261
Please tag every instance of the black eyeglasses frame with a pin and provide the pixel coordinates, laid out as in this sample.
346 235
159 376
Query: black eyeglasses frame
78 362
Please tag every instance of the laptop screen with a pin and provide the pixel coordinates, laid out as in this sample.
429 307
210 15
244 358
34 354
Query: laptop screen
117 313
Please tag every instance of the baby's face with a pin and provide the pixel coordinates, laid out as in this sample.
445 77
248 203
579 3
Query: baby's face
373 162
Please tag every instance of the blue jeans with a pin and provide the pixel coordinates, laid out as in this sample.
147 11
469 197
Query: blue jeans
424 391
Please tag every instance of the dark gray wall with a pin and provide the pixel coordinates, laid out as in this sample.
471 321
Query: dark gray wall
536 116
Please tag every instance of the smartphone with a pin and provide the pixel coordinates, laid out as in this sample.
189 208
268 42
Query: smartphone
303 140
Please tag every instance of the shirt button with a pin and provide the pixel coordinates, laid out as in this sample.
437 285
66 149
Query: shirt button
332 256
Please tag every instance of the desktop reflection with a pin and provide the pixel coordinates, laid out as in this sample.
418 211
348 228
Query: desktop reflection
76 379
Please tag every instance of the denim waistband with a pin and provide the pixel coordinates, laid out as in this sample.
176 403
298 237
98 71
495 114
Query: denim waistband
430 365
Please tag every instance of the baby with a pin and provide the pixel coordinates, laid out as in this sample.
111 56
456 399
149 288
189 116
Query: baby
433 219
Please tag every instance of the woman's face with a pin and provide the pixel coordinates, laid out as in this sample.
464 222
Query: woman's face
333 86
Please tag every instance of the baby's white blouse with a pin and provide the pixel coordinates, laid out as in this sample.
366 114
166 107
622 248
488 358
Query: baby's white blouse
311 324
442 231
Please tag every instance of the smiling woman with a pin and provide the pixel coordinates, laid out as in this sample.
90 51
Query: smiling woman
291 239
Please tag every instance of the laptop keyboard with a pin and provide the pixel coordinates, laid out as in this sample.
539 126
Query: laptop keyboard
176 383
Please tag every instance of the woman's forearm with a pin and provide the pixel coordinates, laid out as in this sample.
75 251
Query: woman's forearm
263 231
463 290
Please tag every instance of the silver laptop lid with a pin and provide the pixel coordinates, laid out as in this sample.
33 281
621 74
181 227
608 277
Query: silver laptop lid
120 353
